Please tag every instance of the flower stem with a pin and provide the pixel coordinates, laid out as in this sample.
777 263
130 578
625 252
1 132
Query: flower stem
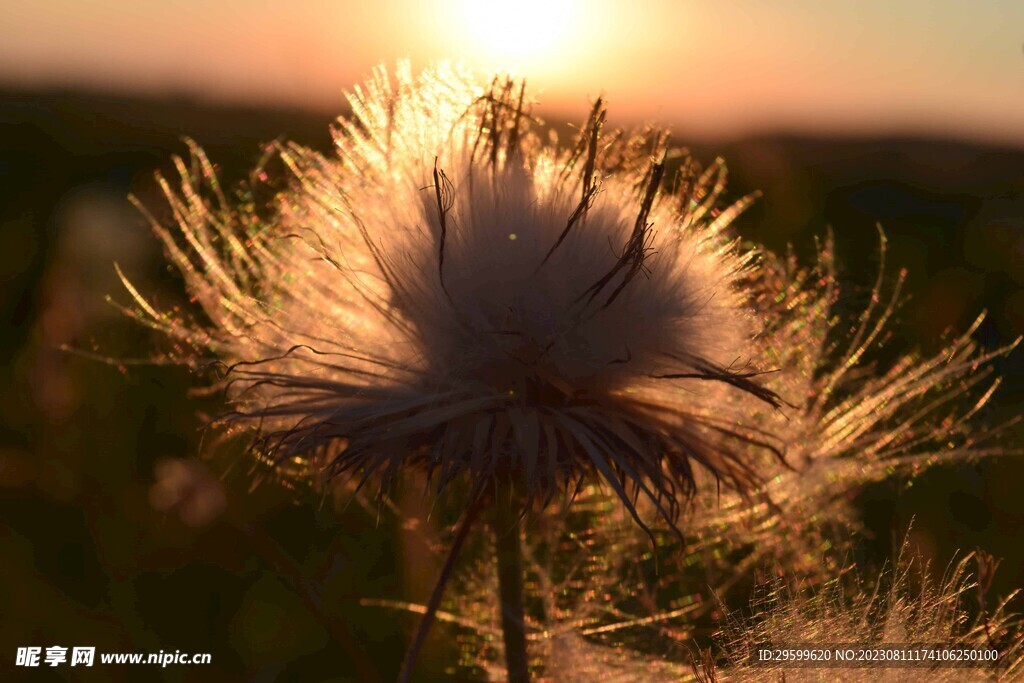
510 586
461 533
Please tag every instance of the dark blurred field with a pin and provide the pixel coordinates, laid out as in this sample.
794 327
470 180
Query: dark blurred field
87 560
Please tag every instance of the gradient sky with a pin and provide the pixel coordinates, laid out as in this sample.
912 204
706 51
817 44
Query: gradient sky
715 68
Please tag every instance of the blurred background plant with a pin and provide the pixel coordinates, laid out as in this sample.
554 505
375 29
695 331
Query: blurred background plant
98 540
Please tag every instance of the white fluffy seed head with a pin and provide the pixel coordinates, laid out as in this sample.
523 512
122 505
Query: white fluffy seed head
452 292
488 294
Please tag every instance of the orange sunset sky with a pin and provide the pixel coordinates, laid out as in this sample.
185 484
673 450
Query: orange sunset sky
715 68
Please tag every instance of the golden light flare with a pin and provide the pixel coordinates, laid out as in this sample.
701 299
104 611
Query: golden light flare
520 33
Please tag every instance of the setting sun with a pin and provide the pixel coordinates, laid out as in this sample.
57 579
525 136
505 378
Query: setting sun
525 31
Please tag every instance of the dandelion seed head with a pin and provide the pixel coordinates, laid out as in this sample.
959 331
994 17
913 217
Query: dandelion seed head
443 209
451 291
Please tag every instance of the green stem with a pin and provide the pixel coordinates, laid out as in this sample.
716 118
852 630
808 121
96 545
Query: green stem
510 586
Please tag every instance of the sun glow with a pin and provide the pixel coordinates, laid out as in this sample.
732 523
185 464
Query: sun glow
520 33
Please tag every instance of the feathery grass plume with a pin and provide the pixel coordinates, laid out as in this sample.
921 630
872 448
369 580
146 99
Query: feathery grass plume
914 608
858 413
903 606
452 293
